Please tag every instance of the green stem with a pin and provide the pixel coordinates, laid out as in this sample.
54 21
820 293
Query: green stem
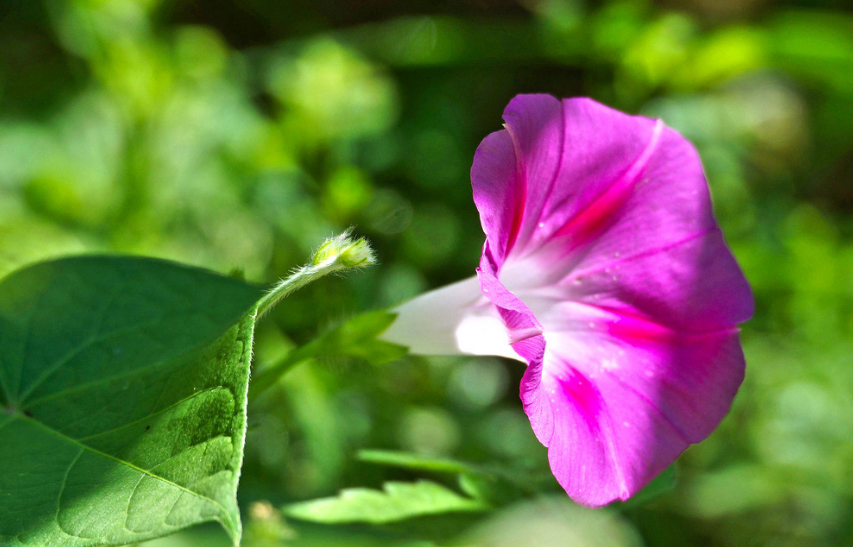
335 254
295 281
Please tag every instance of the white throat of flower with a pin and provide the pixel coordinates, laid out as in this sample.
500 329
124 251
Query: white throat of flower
452 320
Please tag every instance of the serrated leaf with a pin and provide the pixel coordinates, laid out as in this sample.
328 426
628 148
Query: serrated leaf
123 413
397 501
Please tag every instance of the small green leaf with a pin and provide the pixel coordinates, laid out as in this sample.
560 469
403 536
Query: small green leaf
398 501
355 338
123 413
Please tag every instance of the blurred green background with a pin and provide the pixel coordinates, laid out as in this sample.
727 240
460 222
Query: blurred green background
237 134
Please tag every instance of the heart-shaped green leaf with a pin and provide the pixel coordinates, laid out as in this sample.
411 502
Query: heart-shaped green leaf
122 400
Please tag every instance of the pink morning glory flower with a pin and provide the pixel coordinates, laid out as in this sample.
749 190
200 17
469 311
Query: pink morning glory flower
605 271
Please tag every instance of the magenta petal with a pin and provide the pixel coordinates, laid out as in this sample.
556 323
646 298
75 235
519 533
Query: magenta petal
604 270
600 239
693 285
563 159
619 398
498 192
528 150
524 330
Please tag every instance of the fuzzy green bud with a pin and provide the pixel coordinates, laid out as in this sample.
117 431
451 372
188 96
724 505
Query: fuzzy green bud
336 253
348 253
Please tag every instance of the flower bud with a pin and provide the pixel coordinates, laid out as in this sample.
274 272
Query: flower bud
348 253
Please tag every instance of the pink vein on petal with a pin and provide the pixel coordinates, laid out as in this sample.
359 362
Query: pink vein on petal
521 198
537 215
589 222
654 407
579 389
651 252
636 327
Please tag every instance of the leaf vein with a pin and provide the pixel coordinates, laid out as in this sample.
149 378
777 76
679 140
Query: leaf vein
59 496
125 522
25 344
108 378
80 349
